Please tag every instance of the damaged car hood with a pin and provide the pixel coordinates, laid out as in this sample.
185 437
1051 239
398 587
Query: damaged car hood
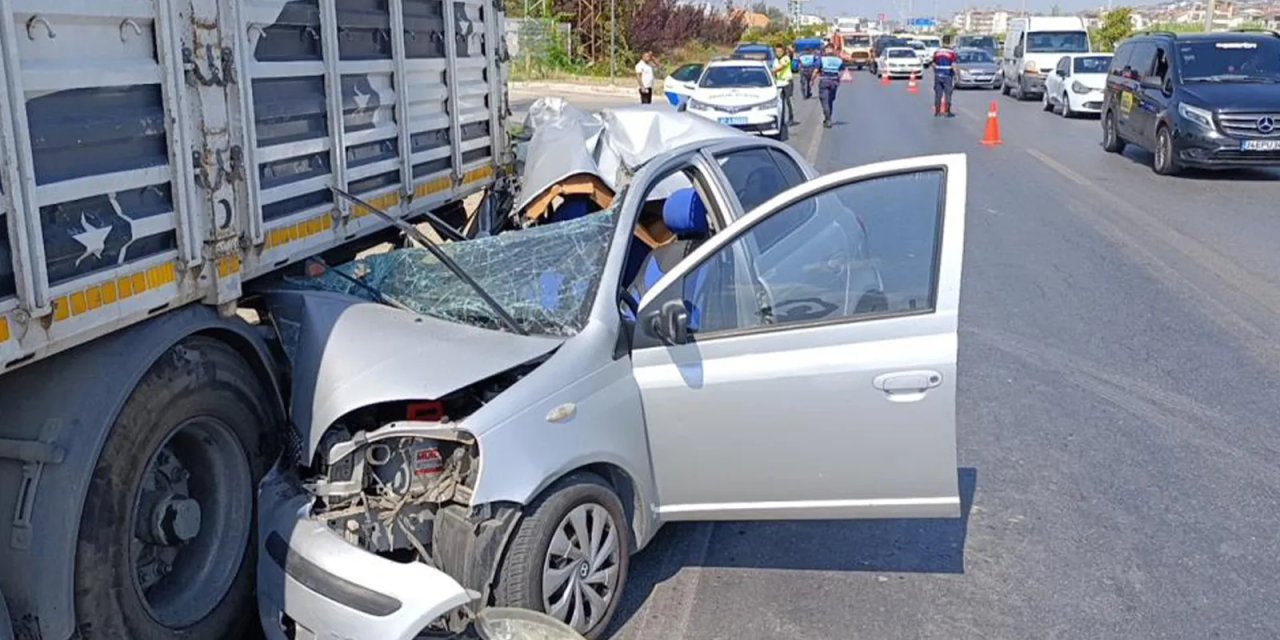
348 354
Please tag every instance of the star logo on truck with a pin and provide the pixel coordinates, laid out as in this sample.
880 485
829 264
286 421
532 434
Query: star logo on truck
94 239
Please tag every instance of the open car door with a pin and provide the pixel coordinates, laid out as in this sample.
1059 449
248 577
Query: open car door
775 385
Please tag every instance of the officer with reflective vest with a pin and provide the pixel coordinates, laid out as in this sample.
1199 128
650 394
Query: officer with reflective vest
828 75
808 62
944 82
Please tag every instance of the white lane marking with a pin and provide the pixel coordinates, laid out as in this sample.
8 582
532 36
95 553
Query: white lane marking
665 616
1059 167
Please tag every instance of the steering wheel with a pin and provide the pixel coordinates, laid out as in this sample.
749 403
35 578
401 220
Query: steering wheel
802 309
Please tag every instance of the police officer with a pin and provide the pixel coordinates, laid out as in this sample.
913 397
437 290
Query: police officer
944 82
828 75
808 62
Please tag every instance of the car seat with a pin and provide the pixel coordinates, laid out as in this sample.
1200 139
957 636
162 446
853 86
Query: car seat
685 215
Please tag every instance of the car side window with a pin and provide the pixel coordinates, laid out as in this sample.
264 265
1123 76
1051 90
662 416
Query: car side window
1064 66
755 176
1162 65
1120 61
1142 61
831 272
687 73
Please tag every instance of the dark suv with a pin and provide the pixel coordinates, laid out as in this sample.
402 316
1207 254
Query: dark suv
1207 100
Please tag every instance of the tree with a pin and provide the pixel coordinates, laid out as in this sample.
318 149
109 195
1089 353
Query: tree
1116 26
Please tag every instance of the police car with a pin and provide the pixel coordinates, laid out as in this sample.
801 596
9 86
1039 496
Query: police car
741 94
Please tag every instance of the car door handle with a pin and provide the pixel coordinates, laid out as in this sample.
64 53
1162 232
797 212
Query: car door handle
907 382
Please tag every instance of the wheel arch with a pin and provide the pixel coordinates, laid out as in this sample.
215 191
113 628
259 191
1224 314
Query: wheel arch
90 386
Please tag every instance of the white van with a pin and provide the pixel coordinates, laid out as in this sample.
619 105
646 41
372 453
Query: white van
1033 46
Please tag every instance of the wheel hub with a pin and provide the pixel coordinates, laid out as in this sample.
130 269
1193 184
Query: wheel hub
175 520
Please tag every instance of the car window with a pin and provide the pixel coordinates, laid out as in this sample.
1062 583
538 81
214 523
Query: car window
1142 60
868 248
1064 63
736 76
974 57
1092 64
1058 42
1237 59
1161 69
901 53
755 176
687 73
1120 61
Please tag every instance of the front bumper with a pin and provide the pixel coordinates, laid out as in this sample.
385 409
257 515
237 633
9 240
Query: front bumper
1211 150
757 122
1085 103
978 82
895 72
1032 83
312 584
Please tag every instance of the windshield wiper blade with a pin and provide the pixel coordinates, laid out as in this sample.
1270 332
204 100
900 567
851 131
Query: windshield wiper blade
422 239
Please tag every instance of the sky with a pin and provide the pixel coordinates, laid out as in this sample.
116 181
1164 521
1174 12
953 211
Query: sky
925 8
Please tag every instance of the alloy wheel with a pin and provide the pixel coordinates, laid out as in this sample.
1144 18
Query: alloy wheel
580 573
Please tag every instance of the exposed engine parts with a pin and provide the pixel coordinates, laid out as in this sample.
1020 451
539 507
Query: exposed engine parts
381 489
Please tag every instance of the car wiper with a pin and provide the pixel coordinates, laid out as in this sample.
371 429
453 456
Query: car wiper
422 239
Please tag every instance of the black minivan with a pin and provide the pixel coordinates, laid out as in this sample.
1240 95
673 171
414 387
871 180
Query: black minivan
1208 100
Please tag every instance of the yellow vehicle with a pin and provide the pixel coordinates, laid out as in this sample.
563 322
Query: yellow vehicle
857 49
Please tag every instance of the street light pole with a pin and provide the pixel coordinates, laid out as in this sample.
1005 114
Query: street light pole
1210 9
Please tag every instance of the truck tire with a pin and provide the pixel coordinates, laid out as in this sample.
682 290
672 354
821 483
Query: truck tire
531 562
166 544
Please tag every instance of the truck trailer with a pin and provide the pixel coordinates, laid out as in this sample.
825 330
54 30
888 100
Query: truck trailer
156 157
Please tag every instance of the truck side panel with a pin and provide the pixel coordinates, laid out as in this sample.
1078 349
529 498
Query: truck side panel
162 153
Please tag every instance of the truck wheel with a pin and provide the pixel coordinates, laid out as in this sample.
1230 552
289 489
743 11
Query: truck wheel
166 538
569 555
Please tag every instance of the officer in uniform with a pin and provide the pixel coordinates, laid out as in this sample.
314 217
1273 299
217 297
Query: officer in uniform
944 82
782 76
828 75
808 62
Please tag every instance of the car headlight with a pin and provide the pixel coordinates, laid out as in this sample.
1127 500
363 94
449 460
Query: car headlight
771 103
964 74
1031 67
1079 88
1202 117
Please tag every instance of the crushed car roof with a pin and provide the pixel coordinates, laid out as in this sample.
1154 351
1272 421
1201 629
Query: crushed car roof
610 145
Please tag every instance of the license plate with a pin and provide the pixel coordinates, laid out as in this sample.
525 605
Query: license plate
732 121
1260 145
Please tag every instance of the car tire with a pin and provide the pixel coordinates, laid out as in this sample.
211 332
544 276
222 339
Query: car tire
198 414
1111 140
528 563
1046 103
1166 161
1066 106
1005 89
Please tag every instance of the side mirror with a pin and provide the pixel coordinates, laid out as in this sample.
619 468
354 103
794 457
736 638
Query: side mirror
1062 73
670 323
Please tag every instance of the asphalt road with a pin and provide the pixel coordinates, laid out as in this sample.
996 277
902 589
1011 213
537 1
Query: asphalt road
1118 412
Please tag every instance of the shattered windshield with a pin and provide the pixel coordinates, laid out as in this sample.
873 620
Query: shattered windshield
545 277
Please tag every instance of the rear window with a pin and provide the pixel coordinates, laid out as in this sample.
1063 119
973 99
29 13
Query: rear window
729 77
901 53
1236 60
1092 64
1058 42
977 42
857 41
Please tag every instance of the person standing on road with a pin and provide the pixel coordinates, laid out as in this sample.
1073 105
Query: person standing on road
782 76
808 62
828 74
944 82
644 77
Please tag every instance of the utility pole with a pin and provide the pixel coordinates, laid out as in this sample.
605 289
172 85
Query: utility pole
613 40
1210 9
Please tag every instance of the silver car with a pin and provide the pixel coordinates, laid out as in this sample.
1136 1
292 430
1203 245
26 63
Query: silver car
977 68
736 338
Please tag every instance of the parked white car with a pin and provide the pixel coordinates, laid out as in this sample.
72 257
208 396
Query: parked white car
922 52
682 83
741 94
900 62
1077 83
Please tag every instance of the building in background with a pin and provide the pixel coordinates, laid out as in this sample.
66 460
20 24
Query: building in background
981 21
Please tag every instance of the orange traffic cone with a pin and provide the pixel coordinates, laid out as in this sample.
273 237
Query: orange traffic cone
884 77
912 87
992 136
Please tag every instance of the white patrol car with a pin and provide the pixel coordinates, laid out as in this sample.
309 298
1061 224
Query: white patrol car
741 94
